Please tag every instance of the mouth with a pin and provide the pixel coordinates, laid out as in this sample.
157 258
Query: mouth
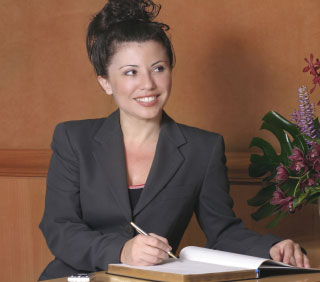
147 99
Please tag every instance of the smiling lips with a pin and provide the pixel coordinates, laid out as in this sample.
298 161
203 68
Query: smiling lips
148 101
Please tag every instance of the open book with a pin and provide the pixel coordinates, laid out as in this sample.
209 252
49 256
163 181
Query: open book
201 264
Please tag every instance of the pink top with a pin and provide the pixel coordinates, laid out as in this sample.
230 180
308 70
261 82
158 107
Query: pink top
136 186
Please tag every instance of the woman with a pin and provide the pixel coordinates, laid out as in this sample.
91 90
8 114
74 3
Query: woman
138 164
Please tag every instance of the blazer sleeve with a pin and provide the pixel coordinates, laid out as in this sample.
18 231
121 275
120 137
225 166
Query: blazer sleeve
68 237
215 215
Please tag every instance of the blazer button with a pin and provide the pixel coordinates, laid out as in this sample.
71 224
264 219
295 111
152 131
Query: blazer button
129 229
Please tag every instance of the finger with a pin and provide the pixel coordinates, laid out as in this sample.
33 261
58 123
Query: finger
288 254
155 252
306 262
147 259
155 242
298 255
275 253
292 261
163 239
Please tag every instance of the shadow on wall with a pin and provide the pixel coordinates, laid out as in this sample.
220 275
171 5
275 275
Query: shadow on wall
241 83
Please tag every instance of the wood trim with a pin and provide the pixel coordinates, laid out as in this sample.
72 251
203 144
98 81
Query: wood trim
21 163
35 163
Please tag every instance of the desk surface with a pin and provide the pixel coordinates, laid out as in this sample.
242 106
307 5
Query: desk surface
312 277
310 243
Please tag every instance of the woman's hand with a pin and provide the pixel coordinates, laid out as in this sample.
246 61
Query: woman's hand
145 250
289 252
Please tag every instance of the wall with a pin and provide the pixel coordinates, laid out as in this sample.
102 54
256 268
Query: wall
236 60
24 253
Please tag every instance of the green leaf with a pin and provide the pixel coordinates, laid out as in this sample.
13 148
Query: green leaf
265 146
274 222
262 196
279 122
306 137
314 198
265 210
270 177
260 165
266 164
316 124
298 201
289 186
284 140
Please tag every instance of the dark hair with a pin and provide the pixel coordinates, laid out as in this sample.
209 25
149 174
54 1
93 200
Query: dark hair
124 21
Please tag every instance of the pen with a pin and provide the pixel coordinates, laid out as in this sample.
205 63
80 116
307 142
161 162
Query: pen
139 230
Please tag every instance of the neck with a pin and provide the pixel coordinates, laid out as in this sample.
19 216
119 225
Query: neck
139 131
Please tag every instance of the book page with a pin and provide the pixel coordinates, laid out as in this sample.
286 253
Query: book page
185 267
221 258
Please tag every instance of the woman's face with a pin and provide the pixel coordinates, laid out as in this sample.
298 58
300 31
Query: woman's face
139 78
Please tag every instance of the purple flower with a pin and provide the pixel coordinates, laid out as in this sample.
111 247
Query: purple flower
304 116
282 173
281 201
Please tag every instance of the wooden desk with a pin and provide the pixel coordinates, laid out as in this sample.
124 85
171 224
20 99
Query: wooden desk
311 243
102 277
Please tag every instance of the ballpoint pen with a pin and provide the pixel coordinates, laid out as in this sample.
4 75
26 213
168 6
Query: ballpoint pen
139 230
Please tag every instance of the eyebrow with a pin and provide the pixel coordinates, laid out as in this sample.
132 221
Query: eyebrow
136 66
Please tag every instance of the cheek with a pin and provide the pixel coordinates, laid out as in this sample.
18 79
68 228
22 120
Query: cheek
164 82
124 88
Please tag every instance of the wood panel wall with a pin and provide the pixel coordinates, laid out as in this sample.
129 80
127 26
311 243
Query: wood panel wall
236 60
24 253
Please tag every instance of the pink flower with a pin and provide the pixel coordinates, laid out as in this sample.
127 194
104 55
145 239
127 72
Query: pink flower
282 173
313 157
279 199
313 67
308 182
298 161
314 153
316 165
297 166
297 155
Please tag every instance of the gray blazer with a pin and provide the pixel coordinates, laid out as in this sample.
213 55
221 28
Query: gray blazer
87 210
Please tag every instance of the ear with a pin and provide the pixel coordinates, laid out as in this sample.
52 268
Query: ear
105 84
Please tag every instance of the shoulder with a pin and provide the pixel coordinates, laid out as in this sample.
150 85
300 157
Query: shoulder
189 133
79 128
198 135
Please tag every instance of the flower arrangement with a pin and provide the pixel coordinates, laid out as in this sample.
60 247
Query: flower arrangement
291 178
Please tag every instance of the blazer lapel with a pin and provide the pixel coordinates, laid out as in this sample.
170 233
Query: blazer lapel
167 161
109 152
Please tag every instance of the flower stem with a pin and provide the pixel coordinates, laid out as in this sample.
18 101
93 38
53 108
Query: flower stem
306 176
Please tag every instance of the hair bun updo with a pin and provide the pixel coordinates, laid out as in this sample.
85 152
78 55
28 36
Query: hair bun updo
124 21
141 10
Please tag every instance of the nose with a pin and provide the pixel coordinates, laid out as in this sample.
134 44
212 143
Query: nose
148 82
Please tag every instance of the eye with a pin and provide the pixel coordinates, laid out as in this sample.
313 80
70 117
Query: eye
130 72
159 69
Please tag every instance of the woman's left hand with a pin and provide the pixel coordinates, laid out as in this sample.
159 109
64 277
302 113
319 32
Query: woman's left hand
289 252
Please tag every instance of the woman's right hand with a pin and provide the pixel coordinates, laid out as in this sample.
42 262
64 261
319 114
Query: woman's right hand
145 250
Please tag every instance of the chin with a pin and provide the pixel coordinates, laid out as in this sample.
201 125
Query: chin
149 114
